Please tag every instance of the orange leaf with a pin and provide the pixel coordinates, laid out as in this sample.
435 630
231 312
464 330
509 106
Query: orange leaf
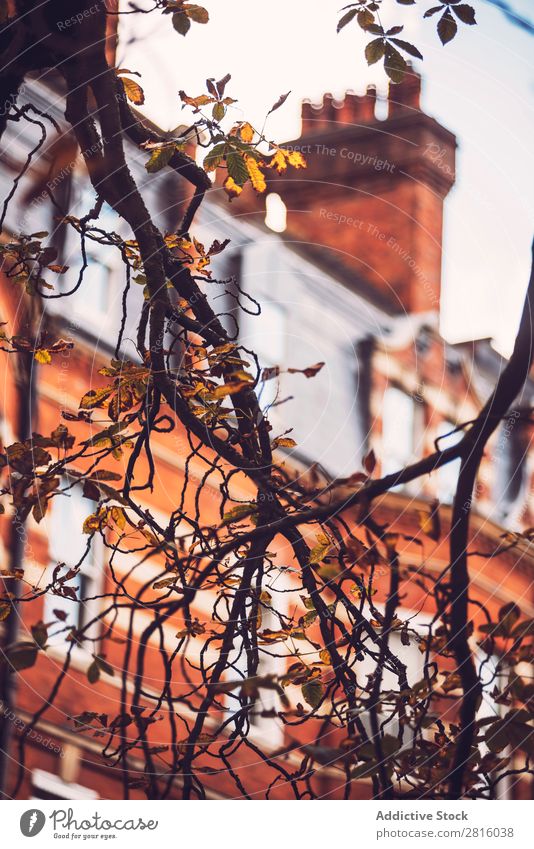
133 91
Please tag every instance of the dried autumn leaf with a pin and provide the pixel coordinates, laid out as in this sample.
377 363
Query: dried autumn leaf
312 692
95 398
280 102
284 442
198 14
240 511
321 549
231 188
246 132
160 158
310 371
257 177
92 523
43 356
133 91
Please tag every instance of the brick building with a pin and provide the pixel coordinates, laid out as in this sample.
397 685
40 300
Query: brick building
345 259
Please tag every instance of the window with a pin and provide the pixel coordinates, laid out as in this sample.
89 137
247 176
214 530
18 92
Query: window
46 785
510 461
265 335
448 474
398 429
69 546
91 301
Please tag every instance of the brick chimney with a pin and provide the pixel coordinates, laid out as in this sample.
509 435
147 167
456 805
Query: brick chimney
371 198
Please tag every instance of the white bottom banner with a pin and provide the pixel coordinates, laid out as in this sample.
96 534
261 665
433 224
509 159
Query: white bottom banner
357 824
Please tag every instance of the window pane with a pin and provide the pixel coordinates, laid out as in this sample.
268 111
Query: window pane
67 515
398 421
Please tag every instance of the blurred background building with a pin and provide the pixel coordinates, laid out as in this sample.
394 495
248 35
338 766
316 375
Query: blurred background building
345 259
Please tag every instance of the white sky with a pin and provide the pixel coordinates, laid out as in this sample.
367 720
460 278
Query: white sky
481 86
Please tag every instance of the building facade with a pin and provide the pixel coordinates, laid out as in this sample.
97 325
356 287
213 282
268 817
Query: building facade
345 261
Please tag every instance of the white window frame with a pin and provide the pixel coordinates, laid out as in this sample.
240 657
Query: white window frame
92 570
56 788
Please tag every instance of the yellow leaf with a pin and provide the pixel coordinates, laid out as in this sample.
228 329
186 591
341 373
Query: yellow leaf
246 132
320 550
133 91
240 511
257 177
231 188
43 356
95 398
278 161
296 159
92 523
119 517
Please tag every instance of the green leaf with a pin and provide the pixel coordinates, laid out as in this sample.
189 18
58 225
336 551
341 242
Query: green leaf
375 50
447 27
346 19
214 157
237 168
181 23
313 692
240 511
159 158
395 65
219 111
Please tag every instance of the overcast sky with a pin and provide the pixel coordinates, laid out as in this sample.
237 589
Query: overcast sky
481 86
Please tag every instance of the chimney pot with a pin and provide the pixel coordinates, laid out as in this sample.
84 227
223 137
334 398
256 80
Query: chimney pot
405 96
